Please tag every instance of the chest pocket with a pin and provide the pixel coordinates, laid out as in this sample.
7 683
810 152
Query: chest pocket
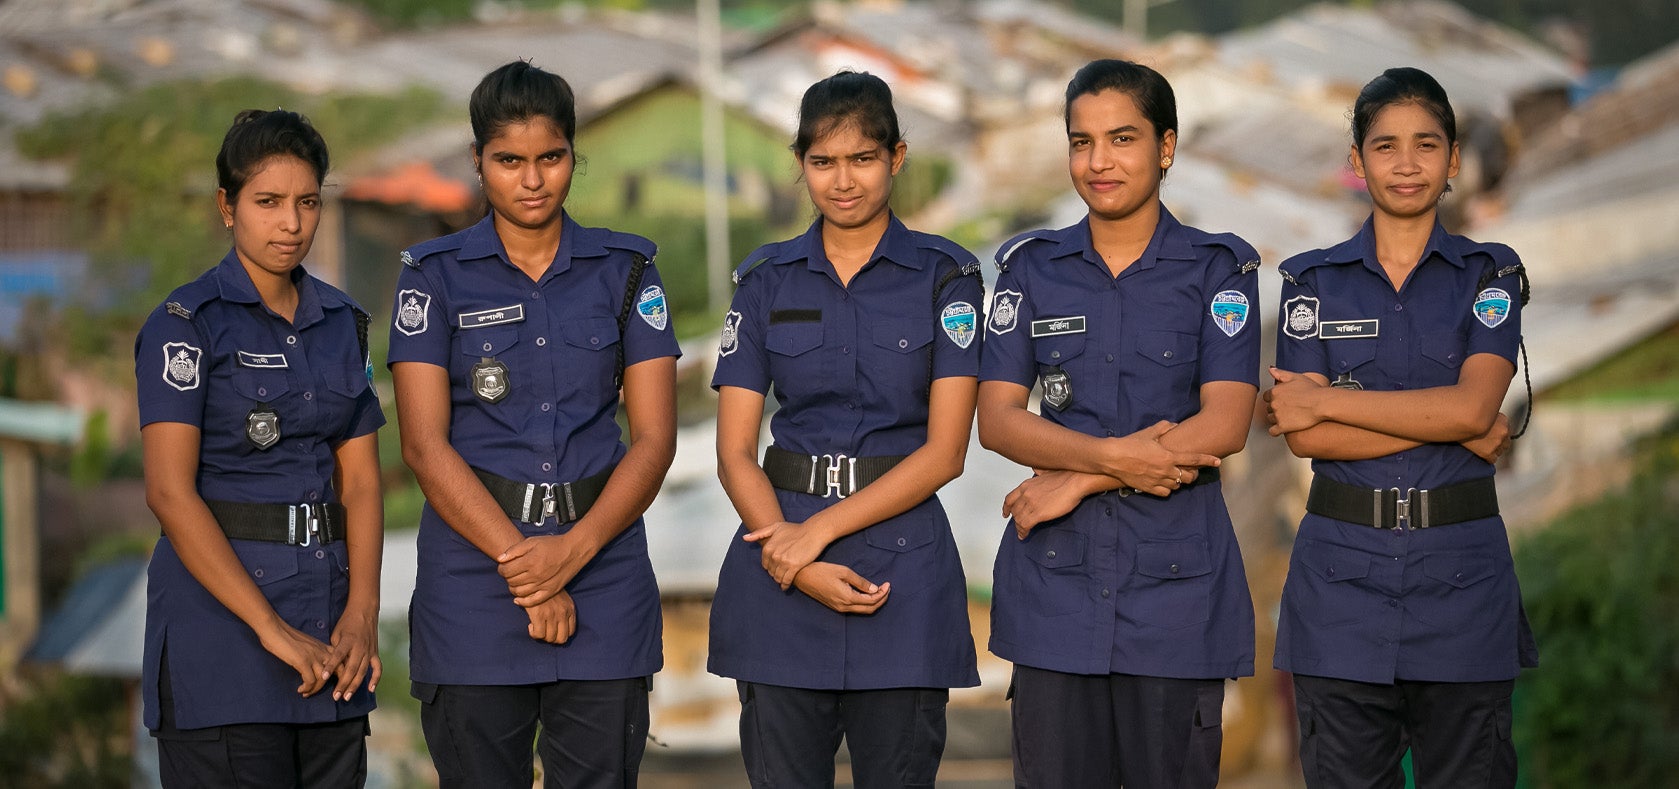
903 335
1444 347
1165 382
1058 350
793 339
592 334
263 386
349 380
476 343
1346 356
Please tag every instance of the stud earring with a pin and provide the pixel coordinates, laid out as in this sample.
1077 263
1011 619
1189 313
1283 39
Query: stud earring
1166 162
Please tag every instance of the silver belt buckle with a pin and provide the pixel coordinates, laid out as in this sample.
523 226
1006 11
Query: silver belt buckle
840 472
550 504
311 524
1401 507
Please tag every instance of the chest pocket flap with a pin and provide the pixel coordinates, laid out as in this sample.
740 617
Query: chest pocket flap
1445 347
1168 348
1056 548
261 385
903 335
347 380
1350 354
488 342
793 339
1173 560
266 562
1058 349
1336 564
595 334
901 534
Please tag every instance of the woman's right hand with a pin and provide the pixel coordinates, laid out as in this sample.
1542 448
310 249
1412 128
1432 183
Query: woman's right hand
553 620
838 587
309 657
1142 463
1492 445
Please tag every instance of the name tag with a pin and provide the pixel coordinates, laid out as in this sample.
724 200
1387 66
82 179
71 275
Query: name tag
1050 327
491 317
1337 330
268 360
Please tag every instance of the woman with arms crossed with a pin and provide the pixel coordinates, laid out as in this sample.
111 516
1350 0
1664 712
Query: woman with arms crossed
841 608
262 463
535 602
1401 618
1119 592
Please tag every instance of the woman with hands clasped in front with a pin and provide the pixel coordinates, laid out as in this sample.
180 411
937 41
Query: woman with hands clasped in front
1401 618
258 423
841 607
535 604
1118 591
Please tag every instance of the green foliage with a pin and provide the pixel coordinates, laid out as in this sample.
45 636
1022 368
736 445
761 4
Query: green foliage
1601 587
65 731
89 464
144 175
1647 372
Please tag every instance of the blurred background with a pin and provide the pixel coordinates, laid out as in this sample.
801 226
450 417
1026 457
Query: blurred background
111 112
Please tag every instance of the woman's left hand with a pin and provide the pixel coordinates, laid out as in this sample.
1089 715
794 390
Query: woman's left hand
537 568
787 548
1293 404
355 652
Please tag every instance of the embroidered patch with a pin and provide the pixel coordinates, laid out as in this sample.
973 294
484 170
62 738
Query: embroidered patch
1005 311
1300 315
262 360
730 341
1492 306
651 307
180 365
958 320
413 313
1049 327
1230 311
513 313
1342 330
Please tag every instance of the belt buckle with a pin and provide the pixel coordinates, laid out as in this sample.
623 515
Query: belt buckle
311 525
550 504
840 472
1402 507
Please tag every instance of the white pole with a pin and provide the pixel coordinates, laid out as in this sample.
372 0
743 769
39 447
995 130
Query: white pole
718 263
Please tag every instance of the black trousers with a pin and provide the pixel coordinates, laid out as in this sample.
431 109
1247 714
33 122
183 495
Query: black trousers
788 736
1110 730
593 733
1354 734
259 755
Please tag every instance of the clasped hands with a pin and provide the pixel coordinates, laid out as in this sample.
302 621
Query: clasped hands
537 570
789 553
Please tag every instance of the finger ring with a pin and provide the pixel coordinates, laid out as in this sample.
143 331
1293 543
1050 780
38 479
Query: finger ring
1178 475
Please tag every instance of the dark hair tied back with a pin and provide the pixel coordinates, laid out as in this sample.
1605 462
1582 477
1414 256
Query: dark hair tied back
849 97
517 93
1151 92
258 135
1403 85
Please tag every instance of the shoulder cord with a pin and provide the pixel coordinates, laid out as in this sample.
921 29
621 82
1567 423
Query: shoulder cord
361 336
938 290
1527 377
631 287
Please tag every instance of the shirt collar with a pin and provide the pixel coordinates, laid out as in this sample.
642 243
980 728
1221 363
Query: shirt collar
1362 247
236 286
1169 242
897 245
482 242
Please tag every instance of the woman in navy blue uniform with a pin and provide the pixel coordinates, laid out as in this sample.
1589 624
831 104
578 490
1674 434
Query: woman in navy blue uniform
841 608
258 423
1401 618
535 603
1118 590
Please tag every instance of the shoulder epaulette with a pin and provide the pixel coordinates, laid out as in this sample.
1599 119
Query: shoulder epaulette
759 256
1505 262
1247 259
1013 245
1294 267
189 297
630 242
950 249
416 255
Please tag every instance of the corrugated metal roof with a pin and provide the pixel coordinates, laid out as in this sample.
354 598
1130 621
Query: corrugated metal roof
43 423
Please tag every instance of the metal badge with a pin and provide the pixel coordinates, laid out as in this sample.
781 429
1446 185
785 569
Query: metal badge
489 380
1058 389
262 426
1346 381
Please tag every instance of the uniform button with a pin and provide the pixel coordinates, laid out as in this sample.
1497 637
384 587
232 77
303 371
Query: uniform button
902 542
1049 554
292 340
320 554
314 496
308 395
320 624
1342 365
1398 308
1174 569
594 341
1393 604
903 343
257 572
1054 354
1396 558
845 349
1108 511
1110 433
1105 593
487 346
536 294
1458 577
262 391
1110 357
541 341
547 467
1329 572
844 296
1166 354
850 406
1451 357
545 407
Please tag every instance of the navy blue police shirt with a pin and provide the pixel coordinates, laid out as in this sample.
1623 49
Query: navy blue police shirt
851 368
209 357
1375 605
1125 583
532 399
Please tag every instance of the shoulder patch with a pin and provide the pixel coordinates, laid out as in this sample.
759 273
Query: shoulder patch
1013 245
1300 317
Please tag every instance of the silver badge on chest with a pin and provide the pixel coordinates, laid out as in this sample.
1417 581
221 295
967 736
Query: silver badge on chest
1058 389
262 426
489 380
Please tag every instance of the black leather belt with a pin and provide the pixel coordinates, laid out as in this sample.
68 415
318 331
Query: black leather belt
824 475
1395 508
534 502
292 524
